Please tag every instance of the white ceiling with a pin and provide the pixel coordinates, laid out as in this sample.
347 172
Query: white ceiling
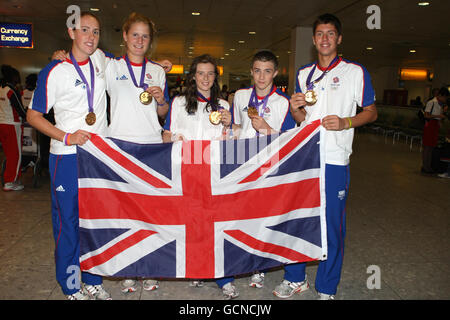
222 23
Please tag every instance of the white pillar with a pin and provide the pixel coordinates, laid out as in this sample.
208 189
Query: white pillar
302 52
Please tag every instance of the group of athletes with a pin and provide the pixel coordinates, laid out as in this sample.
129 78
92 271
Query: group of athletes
75 86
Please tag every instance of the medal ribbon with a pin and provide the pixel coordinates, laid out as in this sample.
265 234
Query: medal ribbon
142 84
309 84
208 101
253 102
89 89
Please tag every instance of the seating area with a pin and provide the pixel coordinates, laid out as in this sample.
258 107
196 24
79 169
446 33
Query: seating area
401 124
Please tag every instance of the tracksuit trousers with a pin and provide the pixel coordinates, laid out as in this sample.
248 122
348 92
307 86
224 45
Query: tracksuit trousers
64 189
337 179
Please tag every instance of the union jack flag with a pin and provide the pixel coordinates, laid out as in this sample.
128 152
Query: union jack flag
201 209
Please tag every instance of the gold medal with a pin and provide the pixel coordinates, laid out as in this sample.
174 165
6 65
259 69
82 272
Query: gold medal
310 97
215 117
252 111
145 97
90 118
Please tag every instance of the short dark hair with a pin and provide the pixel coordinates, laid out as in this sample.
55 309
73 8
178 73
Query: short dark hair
30 80
328 18
443 92
265 55
10 75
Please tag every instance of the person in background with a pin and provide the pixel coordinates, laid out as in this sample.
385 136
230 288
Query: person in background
434 114
231 97
445 155
27 93
434 94
12 116
224 93
417 102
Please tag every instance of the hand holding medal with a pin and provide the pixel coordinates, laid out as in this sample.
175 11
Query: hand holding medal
260 124
157 94
297 100
252 111
310 94
310 97
215 117
145 97
220 115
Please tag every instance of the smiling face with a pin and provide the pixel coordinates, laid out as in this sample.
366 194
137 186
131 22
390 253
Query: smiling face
204 77
85 39
326 39
137 39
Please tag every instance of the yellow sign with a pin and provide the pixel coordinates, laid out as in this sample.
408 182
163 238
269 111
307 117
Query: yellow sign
414 74
177 69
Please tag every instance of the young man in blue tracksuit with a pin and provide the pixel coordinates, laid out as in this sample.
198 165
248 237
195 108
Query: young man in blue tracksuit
330 89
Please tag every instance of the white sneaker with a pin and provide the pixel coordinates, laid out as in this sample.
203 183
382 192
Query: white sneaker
197 283
257 280
150 285
444 175
324 296
128 285
80 295
287 289
97 292
229 291
13 186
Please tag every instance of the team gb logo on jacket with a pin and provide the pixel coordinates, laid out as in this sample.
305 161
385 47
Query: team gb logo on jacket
336 83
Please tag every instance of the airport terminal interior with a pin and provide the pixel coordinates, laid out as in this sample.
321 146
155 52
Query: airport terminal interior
398 218
397 221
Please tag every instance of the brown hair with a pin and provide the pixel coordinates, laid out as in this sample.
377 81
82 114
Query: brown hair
137 17
191 86
90 14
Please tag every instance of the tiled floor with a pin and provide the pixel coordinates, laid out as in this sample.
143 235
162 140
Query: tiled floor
397 220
